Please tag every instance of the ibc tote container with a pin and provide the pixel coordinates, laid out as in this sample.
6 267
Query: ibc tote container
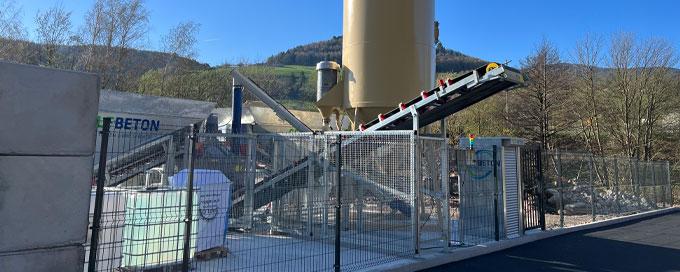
154 228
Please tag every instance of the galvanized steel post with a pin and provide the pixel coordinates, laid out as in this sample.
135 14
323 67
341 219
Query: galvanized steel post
592 189
654 184
338 200
414 186
541 191
99 196
616 185
310 185
561 189
250 175
496 226
186 257
445 185
670 186
324 226
637 183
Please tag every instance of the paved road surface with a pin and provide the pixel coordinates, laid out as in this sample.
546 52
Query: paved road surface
649 244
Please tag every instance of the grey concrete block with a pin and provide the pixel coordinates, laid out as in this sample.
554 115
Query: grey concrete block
69 258
44 201
47 111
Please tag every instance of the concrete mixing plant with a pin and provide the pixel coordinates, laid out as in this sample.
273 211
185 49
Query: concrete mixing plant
181 185
367 183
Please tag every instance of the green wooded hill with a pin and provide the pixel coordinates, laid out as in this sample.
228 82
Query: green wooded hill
448 61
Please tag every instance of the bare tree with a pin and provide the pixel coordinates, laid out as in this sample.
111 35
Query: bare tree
133 26
538 111
587 94
112 28
641 88
12 33
53 28
180 41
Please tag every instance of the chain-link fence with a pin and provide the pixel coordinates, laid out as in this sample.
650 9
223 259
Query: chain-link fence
582 188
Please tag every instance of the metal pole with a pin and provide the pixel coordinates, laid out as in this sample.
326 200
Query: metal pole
445 185
414 191
616 184
637 183
280 110
670 186
324 227
99 196
168 168
461 202
310 185
541 196
662 187
338 206
190 200
236 107
250 174
592 190
274 203
561 189
496 227
653 168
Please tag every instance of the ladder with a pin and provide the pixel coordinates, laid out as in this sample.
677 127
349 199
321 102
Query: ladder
451 96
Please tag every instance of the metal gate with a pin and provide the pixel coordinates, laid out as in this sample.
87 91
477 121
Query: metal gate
532 188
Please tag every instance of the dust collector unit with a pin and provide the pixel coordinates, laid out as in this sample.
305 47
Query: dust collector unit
327 77
388 54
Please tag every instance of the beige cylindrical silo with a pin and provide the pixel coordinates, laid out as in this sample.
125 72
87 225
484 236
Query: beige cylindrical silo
388 54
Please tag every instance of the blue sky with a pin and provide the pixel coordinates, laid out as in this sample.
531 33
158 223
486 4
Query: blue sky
252 30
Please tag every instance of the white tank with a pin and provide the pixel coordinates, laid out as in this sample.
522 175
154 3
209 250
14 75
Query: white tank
388 54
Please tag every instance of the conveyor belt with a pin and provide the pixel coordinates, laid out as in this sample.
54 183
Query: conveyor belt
450 97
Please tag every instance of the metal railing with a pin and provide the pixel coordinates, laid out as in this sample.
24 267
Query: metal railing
224 202
334 201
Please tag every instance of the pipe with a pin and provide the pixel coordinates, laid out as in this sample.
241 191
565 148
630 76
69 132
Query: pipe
236 108
280 111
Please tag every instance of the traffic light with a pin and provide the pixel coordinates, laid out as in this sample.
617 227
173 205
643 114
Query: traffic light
472 141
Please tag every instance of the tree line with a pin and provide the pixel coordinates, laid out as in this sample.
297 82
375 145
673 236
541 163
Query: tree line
107 43
616 95
448 61
606 95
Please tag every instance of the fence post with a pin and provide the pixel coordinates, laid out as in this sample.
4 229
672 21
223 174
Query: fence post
445 185
663 190
99 196
559 184
189 200
496 227
616 185
541 193
310 185
251 167
653 167
670 185
415 224
276 161
338 202
324 230
592 188
637 183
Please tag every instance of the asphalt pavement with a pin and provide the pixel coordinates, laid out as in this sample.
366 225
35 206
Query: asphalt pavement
649 244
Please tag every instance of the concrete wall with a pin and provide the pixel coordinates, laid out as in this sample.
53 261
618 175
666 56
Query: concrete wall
46 149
